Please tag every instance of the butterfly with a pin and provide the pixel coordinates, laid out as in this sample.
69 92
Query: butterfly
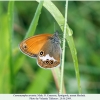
45 48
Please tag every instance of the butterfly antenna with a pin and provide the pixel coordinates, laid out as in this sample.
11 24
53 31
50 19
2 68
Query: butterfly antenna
54 26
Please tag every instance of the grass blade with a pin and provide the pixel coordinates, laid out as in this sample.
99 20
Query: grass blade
34 22
63 51
29 33
60 20
10 32
6 67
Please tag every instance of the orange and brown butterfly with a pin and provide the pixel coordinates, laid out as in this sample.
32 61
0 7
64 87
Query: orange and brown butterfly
45 48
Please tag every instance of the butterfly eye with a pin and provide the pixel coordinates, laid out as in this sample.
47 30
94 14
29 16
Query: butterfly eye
41 53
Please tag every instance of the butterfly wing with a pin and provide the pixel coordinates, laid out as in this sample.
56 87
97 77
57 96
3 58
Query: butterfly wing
50 54
32 45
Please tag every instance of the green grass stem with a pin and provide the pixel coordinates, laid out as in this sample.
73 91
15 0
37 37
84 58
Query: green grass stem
10 31
34 22
63 50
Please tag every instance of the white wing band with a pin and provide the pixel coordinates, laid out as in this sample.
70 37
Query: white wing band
44 58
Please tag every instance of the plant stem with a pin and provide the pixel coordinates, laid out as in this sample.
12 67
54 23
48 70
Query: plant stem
34 22
63 51
10 31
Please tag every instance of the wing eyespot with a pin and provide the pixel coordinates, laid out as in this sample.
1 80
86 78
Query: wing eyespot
25 46
47 62
51 61
41 53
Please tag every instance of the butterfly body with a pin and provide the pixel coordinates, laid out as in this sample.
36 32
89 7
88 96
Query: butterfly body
45 47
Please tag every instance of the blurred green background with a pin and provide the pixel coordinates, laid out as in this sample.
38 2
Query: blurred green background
83 19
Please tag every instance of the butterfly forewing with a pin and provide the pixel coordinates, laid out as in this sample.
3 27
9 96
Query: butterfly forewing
32 46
